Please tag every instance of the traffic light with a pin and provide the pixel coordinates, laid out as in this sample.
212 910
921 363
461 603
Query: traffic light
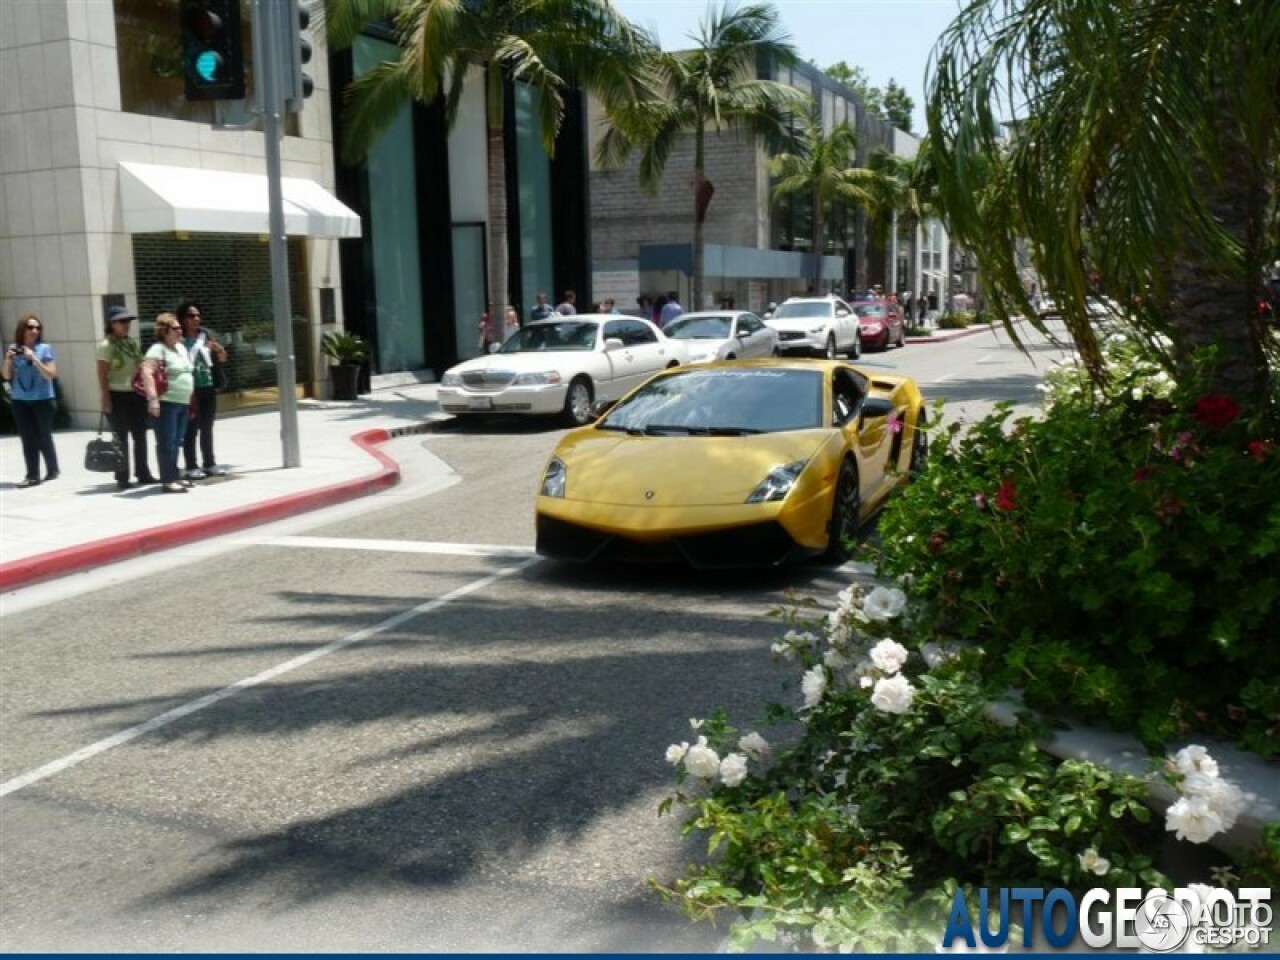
212 49
298 85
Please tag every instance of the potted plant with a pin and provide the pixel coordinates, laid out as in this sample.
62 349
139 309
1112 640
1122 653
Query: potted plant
346 352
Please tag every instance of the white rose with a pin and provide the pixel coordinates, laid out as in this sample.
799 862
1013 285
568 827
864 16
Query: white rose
888 656
835 659
1192 819
893 694
756 747
676 752
1223 797
701 761
813 686
884 603
783 650
1195 759
1091 862
733 769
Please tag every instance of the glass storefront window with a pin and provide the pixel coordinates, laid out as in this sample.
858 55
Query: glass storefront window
393 238
536 269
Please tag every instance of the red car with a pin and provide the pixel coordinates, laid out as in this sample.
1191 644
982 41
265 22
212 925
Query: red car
881 324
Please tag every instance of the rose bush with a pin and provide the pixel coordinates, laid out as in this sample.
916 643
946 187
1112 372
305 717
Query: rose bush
901 787
1119 556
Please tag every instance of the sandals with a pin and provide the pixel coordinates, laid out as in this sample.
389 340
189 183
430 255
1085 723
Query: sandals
174 488
29 482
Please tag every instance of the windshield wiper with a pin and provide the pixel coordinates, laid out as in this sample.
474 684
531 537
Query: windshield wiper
661 429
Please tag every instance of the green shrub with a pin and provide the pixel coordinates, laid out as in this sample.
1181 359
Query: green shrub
955 321
856 836
1119 558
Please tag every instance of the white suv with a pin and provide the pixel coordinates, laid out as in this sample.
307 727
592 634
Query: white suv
820 325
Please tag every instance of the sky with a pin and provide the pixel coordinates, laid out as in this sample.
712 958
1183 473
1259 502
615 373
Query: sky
888 39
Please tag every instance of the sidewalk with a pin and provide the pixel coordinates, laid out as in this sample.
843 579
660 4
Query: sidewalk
81 520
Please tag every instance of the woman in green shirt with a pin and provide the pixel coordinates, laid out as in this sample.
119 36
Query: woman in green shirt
169 412
118 358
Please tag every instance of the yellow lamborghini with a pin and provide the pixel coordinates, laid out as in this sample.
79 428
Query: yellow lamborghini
744 463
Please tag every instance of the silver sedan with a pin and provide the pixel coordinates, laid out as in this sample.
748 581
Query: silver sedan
723 335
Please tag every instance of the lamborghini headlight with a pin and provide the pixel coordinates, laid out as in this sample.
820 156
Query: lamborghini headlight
778 483
554 478
540 379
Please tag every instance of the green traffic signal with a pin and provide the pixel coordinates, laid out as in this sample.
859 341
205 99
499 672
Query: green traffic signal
212 50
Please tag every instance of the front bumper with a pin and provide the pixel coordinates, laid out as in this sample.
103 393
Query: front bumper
538 401
797 341
738 535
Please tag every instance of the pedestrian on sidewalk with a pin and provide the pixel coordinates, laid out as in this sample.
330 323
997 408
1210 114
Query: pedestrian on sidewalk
30 368
568 307
488 329
206 354
541 310
118 358
168 413
510 323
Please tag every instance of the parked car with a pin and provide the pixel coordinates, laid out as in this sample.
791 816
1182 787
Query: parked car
565 365
743 463
881 325
824 326
723 335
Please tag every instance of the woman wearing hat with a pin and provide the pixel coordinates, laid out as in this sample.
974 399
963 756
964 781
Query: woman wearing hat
118 358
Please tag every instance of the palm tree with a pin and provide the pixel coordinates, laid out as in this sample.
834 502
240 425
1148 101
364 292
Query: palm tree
549 44
1146 157
713 86
822 169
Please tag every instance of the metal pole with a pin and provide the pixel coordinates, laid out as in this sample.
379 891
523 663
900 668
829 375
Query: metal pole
269 20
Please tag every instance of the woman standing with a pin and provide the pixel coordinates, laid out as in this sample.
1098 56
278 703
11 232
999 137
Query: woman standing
510 323
204 350
29 366
118 358
169 412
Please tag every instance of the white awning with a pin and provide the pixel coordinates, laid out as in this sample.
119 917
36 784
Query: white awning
160 199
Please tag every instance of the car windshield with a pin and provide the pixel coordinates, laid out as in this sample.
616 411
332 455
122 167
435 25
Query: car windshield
808 308
874 310
722 402
700 328
563 335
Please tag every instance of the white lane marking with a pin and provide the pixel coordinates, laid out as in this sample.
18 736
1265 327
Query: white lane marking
392 546
193 706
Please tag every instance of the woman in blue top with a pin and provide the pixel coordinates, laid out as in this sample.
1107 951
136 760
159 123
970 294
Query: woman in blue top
169 412
30 368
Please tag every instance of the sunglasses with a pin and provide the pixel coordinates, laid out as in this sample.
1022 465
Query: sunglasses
33 326
193 316
170 326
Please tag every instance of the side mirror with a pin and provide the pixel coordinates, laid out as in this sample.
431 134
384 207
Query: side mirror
842 313
613 343
601 407
875 408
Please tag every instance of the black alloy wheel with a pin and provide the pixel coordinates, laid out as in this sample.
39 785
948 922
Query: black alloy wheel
577 403
845 507
856 350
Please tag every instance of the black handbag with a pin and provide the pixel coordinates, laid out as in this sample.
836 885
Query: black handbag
105 455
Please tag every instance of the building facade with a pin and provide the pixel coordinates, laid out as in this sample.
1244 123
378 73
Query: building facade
117 190
757 251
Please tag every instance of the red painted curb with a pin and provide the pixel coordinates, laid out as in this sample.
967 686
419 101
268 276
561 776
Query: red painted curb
57 563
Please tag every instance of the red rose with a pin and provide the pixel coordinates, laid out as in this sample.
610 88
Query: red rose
1258 449
1216 411
1007 496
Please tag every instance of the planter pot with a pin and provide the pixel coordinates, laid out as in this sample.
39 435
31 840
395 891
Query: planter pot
345 379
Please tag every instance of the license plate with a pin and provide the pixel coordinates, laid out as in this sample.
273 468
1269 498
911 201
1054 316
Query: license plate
480 403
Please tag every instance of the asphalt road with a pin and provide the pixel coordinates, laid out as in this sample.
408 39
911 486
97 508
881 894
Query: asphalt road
386 727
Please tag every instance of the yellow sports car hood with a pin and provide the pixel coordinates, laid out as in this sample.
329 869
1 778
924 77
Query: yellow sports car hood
680 471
